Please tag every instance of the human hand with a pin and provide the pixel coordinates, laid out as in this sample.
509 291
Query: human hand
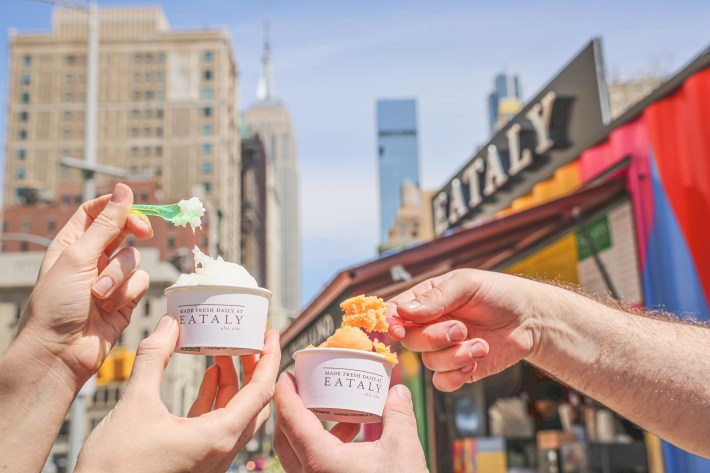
85 294
304 446
478 323
139 434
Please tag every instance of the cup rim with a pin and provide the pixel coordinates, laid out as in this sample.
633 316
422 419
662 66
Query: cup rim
254 290
344 351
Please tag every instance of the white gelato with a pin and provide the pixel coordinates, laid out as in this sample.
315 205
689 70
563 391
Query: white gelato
190 212
215 272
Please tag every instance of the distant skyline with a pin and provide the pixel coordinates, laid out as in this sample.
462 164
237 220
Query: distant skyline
332 61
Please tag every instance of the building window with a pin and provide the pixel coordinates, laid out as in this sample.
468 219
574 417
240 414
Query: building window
207 130
135 114
134 170
161 58
51 224
25 225
207 93
158 150
134 132
21 154
207 56
20 173
137 58
148 114
134 151
71 60
69 79
26 79
149 94
24 246
159 76
136 78
207 112
148 77
22 135
27 60
147 131
144 195
146 151
146 307
207 168
146 333
68 97
207 187
159 113
171 241
136 95
207 74
206 149
159 95
25 97
67 115
159 131
66 133
24 116
148 58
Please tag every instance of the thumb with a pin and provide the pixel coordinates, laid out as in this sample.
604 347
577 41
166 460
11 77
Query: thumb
107 226
442 298
398 422
152 357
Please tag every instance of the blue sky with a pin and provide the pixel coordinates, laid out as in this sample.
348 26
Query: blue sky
334 59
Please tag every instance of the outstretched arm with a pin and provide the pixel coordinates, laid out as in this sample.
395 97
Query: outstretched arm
652 370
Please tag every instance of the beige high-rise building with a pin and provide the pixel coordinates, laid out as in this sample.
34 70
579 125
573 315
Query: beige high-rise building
414 221
270 119
167 104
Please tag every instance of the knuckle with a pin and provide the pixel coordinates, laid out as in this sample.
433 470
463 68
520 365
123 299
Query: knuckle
148 347
106 221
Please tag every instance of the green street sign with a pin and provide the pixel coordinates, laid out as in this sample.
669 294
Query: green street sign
600 234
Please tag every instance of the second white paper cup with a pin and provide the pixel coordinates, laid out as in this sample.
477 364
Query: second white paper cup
343 385
219 320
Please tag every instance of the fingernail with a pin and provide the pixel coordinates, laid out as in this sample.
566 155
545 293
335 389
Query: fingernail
108 306
411 305
468 368
478 350
103 285
402 391
399 331
120 193
165 321
144 223
456 333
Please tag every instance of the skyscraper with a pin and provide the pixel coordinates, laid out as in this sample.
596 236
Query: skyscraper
269 118
505 101
166 110
398 156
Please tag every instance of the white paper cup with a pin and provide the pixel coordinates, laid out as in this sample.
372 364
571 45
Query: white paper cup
219 320
343 385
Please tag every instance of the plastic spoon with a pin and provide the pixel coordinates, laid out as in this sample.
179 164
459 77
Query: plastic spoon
181 214
392 319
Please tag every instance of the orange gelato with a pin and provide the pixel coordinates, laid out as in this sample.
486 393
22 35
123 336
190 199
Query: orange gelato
361 312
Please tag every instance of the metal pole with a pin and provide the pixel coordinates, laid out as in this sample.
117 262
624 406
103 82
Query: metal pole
77 428
92 94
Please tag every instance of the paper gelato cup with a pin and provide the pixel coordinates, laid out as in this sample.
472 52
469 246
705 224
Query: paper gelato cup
343 385
219 320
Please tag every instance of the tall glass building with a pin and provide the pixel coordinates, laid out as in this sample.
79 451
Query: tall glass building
398 156
505 101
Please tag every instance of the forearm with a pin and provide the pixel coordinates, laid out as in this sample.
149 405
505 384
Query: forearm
36 391
654 372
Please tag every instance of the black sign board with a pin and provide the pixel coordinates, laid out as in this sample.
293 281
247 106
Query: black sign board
546 134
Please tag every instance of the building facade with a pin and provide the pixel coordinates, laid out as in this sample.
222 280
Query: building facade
414 222
253 199
270 119
398 156
505 101
167 104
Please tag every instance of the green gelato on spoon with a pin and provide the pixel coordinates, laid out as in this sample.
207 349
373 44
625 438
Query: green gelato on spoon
186 212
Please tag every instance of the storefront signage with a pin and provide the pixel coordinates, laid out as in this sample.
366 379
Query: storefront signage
600 234
547 133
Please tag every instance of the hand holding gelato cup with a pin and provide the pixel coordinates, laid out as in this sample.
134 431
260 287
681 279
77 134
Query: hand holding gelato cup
220 309
343 379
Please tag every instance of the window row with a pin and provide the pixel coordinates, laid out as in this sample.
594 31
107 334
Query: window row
136 132
147 113
25 222
147 151
148 77
148 95
149 58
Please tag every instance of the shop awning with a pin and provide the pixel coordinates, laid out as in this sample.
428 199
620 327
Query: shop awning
485 245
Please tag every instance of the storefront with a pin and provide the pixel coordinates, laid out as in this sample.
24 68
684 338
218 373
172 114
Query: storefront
562 193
